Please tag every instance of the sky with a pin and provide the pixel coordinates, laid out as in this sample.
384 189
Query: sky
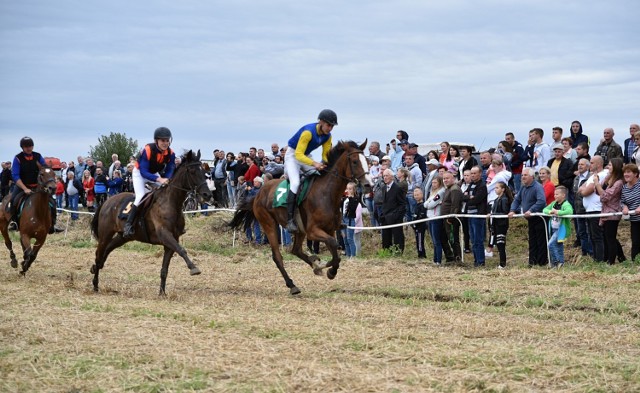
230 75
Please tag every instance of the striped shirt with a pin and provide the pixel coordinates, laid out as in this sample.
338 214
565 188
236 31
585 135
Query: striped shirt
631 199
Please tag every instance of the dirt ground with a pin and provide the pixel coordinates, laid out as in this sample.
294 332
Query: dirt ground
383 325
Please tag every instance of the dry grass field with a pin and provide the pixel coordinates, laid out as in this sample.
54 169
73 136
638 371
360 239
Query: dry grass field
383 325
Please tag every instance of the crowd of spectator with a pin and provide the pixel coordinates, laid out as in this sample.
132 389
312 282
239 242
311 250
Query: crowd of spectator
557 178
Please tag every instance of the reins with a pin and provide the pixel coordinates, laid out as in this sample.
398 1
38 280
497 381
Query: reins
334 170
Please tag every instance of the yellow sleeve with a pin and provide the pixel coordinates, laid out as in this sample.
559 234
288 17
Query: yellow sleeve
301 148
325 149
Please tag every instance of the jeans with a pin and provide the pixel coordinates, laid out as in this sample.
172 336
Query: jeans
556 248
59 199
517 182
372 216
582 227
350 245
477 232
73 205
435 230
231 193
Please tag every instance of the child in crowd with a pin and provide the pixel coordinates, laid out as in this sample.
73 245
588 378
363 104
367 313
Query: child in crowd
59 192
349 206
500 226
436 227
420 228
559 228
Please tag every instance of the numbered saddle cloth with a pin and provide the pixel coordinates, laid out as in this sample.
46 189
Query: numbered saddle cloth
280 196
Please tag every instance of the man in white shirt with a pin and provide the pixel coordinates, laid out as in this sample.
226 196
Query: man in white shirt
592 205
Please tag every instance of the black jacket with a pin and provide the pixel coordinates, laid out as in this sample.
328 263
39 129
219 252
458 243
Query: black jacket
394 206
565 172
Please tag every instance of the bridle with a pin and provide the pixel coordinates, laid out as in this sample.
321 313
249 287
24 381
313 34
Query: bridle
353 178
42 184
190 187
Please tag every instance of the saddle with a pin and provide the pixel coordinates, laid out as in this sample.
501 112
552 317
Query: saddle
18 201
145 203
282 190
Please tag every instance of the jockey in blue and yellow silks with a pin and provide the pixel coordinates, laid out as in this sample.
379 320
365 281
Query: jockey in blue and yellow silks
297 158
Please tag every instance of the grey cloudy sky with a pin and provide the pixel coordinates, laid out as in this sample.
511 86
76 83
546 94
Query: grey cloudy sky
230 75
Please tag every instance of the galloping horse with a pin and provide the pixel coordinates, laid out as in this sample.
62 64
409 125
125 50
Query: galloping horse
319 213
162 222
34 220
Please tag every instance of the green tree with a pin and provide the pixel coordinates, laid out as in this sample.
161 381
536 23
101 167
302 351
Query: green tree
117 143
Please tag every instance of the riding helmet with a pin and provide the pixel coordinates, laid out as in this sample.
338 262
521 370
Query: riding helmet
26 142
162 133
329 116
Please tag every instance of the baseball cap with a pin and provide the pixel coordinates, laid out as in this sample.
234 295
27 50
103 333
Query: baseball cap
557 145
433 162
386 158
412 145
403 142
374 158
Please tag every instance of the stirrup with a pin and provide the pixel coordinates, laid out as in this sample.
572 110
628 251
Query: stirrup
292 227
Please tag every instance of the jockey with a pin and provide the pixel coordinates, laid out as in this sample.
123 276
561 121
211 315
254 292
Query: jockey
297 158
155 164
24 171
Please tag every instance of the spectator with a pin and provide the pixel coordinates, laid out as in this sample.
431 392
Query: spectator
255 226
630 143
568 151
414 181
272 167
485 163
374 150
432 167
593 205
432 155
577 134
397 158
253 170
451 204
59 192
100 187
501 175
392 212
467 161
610 199
475 198
112 167
5 179
516 160
556 135
87 184
608 148
466 183
631 204
275 149
230 165
420 213
450 163
635 155
220 178
73 190
559 227
349 207
531 200
127 179
412 149
357 233
541 151
545 179
444 152
500 226
403 179
561 169
90 166
116 182
433 204
582 224
582 151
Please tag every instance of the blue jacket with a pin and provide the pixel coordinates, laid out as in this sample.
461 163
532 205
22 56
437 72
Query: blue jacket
530 198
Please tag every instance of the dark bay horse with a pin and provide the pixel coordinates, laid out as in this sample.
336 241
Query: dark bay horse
319 214
162 223
34 220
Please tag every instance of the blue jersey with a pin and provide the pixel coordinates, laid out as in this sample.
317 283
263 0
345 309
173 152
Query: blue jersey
307 140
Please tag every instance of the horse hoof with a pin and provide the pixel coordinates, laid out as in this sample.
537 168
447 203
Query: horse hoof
95 289
23 273
194 271
14 263
331 274
93 271
317 271
294 291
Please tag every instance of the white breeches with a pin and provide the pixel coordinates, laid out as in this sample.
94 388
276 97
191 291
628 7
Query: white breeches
293 168
139 185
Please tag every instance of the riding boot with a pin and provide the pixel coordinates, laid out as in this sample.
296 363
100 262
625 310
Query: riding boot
54 216
292 227
129 229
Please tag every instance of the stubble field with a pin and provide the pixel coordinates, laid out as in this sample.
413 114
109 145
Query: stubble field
385 324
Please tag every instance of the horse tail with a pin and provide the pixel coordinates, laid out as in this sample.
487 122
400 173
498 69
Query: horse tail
95 223
244 213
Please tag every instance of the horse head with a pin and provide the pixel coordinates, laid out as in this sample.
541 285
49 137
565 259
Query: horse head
355 167
194 177
47 180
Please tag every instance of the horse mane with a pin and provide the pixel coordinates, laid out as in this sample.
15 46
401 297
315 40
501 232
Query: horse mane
337 151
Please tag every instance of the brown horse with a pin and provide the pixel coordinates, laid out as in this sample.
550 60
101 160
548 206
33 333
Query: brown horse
34 220
162 223
319 213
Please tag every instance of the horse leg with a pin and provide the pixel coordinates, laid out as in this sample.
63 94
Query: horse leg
271 230
7 242
25 241
33 253
164 272
332 245
311 260
171 242
102 252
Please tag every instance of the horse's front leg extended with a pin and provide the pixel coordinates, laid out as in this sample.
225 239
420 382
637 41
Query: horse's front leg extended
27 251
311 260
171 242
332 245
